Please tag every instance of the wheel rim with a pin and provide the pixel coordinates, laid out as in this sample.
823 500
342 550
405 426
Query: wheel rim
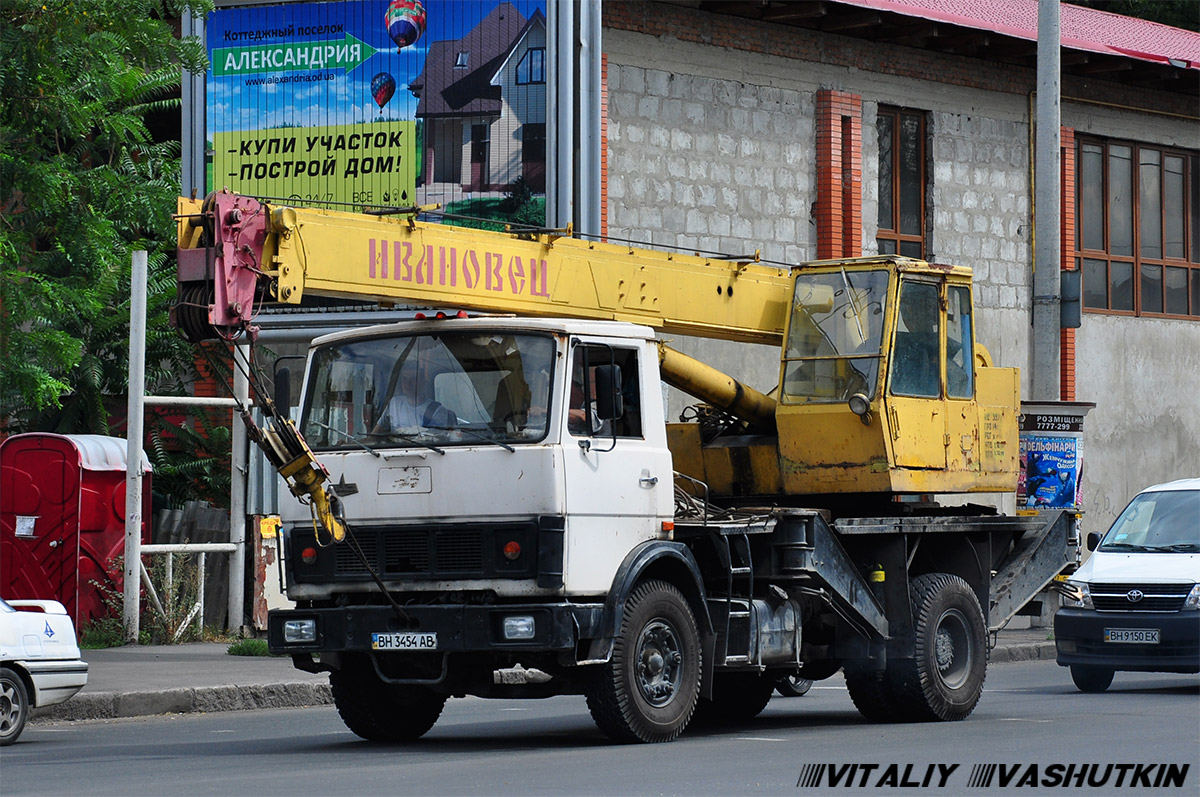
10 708
953 648
659 659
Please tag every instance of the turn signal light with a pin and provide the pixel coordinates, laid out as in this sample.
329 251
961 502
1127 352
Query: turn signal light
512 549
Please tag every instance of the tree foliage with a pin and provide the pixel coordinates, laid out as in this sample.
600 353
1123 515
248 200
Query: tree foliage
83 183
1176 13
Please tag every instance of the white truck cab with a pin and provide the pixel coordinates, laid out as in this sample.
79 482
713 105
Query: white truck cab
1134 605
494 442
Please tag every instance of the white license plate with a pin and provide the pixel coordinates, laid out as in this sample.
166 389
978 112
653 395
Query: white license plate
1135 636
403 641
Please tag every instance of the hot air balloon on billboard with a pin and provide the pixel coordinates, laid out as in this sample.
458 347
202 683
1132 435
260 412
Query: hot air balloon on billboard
383 86
405 21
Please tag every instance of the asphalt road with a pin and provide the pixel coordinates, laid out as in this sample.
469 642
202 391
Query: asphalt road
1030 715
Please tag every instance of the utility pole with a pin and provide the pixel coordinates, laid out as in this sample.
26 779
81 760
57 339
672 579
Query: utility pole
1047 250
133 451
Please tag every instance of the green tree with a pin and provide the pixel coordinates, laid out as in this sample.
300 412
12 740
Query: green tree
83 183
1176 13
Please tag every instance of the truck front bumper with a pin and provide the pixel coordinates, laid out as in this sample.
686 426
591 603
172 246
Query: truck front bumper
1080 639
458 628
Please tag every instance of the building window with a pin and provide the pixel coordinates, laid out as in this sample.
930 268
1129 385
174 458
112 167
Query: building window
532 68
461 60
901 182
1138 232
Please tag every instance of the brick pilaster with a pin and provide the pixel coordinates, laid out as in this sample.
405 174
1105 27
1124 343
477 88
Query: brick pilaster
839 174
1066 359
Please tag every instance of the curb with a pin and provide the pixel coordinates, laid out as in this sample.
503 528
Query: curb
111 705
296 694
1023 651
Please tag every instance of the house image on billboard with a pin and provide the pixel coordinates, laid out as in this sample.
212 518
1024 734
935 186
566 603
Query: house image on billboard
482 101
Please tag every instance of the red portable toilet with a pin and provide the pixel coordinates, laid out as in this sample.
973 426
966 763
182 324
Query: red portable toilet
62 519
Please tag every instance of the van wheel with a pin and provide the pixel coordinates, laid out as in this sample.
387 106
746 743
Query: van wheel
1091 679
380 712
944 679
14 706
793 686
648 690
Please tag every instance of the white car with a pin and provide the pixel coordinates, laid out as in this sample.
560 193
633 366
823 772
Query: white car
1135 604
39 661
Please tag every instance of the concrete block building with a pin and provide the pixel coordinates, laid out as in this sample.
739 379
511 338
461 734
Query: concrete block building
826 129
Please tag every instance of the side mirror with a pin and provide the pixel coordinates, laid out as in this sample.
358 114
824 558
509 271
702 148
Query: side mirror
283 390
610 402
1093 540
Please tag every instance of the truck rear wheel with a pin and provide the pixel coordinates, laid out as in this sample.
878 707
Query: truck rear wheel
737 697
648 690
871 693
1091 679
380 712
944 679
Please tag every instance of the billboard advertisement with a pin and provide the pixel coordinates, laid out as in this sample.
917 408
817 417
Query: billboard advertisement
379 103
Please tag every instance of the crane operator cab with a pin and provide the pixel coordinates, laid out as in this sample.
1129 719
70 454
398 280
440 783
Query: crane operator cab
883 387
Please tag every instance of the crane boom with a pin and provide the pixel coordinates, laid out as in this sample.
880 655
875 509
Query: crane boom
233 247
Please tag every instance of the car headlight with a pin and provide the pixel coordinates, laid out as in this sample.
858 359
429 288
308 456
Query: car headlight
1193 598
1076 594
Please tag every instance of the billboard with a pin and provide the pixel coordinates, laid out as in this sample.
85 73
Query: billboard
379 102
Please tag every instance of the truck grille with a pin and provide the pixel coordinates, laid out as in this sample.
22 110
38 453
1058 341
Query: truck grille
1155 597
429 553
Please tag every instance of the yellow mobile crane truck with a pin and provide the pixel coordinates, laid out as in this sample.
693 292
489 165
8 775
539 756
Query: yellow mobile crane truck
493 503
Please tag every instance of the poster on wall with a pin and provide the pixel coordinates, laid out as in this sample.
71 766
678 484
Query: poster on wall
381 103
1051 468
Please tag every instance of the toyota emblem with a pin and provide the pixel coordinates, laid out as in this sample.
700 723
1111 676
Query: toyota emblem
1135 595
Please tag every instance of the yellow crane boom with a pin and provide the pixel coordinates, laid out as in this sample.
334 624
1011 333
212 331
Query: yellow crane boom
250 250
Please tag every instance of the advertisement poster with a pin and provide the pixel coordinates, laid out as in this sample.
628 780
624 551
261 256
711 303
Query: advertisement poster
379 103
1050 471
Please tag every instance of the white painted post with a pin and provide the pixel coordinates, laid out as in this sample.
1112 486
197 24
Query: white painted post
133 458
237 492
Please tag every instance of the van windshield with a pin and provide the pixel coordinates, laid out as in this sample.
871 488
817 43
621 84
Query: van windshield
1157 522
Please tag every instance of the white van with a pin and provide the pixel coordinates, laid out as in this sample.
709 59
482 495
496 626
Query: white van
1135 603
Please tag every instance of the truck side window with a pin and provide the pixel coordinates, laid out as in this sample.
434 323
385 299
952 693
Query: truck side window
960 347
580 413
916 367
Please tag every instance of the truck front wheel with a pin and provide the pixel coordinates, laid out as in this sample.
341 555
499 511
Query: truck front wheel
380 712
944 679
647 691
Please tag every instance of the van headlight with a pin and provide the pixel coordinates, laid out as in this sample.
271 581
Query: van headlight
1076 594
1193 598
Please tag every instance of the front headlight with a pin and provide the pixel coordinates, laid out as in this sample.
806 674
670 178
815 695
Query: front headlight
1076 594
1193 598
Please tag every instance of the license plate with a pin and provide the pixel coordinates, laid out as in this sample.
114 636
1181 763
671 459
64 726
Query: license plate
1135 636
403 641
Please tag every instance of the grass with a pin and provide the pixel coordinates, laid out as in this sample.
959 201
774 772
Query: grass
249 647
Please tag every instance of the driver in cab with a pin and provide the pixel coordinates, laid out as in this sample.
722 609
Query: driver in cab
411 407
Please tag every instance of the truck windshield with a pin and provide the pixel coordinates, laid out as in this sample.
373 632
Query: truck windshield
834 336
1157 522
445 389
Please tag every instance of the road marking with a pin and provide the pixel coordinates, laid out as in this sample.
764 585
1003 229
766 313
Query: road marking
759 739
1022 719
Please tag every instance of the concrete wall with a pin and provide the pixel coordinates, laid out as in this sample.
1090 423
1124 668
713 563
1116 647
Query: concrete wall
714 148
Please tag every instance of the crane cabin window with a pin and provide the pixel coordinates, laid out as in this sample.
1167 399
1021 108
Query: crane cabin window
834 336
445 389
916 354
